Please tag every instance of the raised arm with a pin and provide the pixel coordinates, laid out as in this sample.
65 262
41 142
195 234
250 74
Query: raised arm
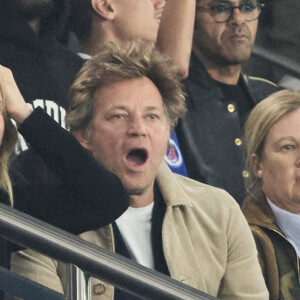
175 32
99 197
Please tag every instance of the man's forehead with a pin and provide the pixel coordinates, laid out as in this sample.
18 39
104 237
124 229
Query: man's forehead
120 92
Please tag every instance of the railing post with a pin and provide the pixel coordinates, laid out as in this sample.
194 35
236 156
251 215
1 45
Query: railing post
78 284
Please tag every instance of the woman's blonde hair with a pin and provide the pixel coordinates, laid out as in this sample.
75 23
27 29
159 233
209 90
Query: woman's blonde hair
7 147
261 119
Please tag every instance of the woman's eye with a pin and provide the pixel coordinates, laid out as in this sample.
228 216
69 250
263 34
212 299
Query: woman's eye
288 147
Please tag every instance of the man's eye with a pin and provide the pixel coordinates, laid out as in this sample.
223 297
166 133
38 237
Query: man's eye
117 116
221 8
248 7
152 116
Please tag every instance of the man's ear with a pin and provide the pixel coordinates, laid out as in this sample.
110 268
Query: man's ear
83 139
256 166
104 8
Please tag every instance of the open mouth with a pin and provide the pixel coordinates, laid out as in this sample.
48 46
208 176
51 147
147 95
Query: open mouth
137 157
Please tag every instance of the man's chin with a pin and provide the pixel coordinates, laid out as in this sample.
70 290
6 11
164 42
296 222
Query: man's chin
236 58
137 190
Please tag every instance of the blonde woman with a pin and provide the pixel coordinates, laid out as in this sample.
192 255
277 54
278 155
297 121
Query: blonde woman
272 207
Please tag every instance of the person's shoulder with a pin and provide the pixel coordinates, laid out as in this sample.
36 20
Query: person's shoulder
69 57
260 88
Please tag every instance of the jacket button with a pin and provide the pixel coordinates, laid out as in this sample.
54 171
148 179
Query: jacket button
245 174
99 289
231 108
238 142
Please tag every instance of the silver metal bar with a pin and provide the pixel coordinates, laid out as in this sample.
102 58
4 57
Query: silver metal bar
78 284
101 263
24 288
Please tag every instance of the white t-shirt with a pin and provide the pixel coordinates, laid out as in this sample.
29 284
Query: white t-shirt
135 228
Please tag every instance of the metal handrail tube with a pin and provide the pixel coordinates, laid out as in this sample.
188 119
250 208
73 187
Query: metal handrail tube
277 59
100 263
77 284
24 288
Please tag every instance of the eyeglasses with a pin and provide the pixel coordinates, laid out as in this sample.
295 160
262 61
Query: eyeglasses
222 12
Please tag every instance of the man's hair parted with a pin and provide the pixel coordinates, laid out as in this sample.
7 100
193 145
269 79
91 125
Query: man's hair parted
114 64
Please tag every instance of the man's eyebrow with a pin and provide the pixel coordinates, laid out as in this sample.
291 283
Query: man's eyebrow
220 2
230 3
153 108
116 106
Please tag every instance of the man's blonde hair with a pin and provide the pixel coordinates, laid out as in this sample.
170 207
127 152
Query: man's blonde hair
262 118
114 64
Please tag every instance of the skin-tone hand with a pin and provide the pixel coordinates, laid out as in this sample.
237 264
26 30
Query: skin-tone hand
15 105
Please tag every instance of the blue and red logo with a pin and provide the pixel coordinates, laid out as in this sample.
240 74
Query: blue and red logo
173 156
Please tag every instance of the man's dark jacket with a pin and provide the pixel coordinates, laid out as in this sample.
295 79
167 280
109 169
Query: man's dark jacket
209 133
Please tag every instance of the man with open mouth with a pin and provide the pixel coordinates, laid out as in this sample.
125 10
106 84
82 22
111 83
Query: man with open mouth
123 106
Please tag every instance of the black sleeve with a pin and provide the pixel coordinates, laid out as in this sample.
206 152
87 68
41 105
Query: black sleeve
97 195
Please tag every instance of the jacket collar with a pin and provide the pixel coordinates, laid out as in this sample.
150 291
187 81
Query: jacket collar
171 188
258 212
207 86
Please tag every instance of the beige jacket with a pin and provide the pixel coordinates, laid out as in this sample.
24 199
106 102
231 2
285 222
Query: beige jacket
206 242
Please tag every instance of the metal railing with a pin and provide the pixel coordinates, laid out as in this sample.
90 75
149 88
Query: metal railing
24 288
100 263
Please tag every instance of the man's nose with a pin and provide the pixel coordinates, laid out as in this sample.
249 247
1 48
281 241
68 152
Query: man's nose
236 16
137 126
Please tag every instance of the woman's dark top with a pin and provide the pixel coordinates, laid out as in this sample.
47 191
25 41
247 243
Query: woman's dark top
89 196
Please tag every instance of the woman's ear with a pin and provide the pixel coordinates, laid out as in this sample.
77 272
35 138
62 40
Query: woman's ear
256 166
83 139
104 8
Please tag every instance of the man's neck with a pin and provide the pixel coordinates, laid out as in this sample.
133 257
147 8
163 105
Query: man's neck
142 200
92 45
101 32
228 74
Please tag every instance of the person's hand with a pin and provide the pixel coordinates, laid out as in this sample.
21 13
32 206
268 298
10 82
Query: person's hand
11 97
